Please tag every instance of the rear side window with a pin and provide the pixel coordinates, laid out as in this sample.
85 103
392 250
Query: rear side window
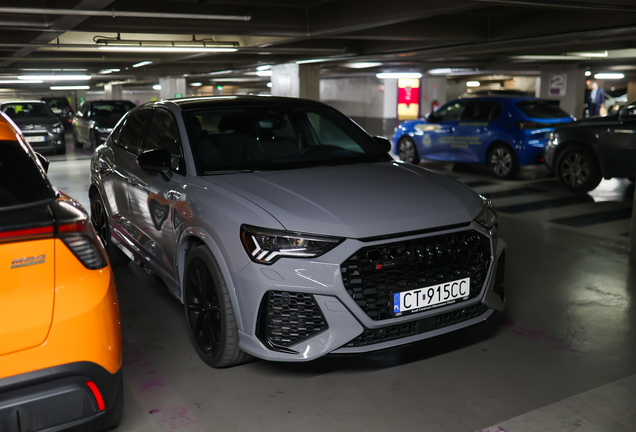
164 134
542 109
20 179
447 113
481 111
130 136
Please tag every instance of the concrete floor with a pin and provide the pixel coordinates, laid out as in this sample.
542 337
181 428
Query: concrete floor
562 357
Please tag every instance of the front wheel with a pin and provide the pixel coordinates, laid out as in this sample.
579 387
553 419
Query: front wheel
407 151
503 161
578 170
209 311
99 220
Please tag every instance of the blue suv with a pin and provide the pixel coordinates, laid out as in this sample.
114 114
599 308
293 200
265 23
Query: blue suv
504 132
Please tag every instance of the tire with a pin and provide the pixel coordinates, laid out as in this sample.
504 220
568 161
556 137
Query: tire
99 220
578 170
502 161
407 151
209 313
76 142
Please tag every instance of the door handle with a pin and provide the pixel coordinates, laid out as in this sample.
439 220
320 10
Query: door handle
173 195
133 181
103 168
481 130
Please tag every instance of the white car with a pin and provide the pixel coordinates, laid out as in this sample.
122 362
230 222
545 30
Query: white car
290 233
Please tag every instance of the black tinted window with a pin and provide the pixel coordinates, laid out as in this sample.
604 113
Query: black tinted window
164 134
479 111
130 135
447 113
542 109
20 179
57 102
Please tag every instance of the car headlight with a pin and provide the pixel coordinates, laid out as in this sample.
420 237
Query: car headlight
58 128
488 217
266 246
102 130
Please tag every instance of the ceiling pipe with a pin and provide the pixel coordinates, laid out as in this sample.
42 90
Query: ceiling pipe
122 14
561 5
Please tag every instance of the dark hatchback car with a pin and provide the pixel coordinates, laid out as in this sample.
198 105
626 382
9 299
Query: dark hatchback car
61 108
584 152
95 120
40 127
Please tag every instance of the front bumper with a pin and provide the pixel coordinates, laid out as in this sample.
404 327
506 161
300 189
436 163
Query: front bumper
52 142
59 398
347 327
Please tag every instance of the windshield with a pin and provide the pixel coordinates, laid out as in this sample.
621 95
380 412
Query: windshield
274 138
16 164
57 102
21 110
111 109
542 109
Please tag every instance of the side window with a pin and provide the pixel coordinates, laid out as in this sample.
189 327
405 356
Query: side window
130 136
330 134
447 113
164 134
479 111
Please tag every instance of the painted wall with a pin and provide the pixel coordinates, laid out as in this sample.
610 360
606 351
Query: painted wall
574 98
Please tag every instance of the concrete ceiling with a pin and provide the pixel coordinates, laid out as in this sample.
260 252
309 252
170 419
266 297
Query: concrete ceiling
409 34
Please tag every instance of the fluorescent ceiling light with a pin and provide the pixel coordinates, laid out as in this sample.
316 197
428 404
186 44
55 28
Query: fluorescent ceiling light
55 70
609 76
196 84
311 61
590 54
238 79
156 87
78 87
54 77
20 81
263 67
270 85
167 49
588 73
143 63
222 72
473 84
107 71
362 65
264 73
384 75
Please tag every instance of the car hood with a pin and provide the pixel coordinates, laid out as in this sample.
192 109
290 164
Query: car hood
44 122
357 201
106 122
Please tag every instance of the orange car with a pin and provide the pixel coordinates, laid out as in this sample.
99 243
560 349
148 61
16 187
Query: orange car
60 333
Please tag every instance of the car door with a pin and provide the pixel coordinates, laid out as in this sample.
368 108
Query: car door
620 155
474 131
156 210
440 132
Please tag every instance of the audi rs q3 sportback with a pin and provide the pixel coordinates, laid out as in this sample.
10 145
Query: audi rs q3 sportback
60 336
288 232
504 132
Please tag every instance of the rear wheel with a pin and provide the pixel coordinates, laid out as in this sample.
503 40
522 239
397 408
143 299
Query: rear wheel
407 151
578 170
503 161
209 311
99 219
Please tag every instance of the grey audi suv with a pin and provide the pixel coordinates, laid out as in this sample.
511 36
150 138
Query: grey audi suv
288 232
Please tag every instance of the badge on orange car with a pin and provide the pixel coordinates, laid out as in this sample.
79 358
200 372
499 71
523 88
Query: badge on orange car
28 261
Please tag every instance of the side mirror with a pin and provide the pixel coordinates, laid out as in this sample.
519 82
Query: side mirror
384 143
44 161
157 160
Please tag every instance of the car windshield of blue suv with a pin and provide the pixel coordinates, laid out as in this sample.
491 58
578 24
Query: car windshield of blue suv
20 110
258 138
541 109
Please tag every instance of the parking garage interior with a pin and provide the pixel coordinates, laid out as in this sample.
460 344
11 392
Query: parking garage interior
561 356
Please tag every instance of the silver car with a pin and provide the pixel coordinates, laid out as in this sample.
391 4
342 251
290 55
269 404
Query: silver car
288 232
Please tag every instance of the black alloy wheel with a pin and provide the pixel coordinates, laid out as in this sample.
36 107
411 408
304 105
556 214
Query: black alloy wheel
407 151
99 220
503 161
209 311
578 170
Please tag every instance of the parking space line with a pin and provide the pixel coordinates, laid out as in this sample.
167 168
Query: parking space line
545 204
595 218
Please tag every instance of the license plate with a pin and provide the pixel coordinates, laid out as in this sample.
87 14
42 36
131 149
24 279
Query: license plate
56 110
34 138
421 299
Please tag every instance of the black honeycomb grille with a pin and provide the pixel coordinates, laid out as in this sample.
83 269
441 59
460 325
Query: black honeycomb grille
292 317
399 331
373 273
498 287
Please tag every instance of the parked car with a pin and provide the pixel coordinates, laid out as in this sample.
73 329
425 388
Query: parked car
61 108
60 335
583 153
504 132
95 120
290 233
40 127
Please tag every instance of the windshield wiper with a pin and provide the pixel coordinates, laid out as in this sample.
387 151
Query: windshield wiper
223 172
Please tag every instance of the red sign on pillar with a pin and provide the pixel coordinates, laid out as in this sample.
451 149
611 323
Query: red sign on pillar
408 95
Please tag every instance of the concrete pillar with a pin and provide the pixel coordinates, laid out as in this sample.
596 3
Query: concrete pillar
78 98
566 84
390 106
631 91
433 89
172 87
113 91
294 80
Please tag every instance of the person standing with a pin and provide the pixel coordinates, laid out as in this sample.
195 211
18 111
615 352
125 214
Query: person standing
596 100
